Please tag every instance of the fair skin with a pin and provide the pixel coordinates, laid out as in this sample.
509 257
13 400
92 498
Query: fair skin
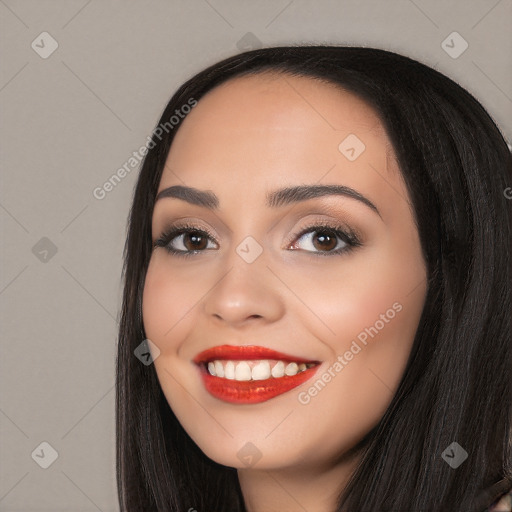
250 136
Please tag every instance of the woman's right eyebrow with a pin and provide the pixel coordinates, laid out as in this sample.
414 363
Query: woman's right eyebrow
276 199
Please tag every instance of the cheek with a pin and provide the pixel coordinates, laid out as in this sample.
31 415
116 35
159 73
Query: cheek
364 294
167 309
166 301
370 307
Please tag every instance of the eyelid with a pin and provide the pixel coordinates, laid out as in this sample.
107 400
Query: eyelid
332 224
184 225
352 234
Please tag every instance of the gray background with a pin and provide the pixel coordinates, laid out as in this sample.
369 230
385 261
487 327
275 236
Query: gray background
70 120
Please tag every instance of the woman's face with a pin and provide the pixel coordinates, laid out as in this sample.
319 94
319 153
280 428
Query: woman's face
262 274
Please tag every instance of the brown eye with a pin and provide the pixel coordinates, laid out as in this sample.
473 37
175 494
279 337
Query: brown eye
185 241
325 240
194 240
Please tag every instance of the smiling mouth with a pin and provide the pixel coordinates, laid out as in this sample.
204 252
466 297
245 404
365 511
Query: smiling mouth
251 374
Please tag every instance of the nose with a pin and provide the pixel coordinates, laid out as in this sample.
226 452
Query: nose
244 293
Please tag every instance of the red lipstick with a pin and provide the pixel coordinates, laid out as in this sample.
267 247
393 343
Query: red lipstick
250 391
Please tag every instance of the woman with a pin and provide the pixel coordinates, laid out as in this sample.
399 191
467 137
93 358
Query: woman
318 267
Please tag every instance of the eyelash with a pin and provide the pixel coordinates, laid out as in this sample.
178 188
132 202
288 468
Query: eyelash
347 236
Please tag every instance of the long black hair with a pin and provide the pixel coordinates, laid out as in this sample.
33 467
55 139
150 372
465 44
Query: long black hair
457 383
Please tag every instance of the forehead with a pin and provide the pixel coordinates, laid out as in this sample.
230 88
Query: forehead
279 129
278 102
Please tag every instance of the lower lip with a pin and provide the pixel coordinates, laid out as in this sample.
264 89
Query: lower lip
252 391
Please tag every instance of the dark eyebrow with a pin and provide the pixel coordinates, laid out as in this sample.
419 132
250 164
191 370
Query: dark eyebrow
275 199
191 195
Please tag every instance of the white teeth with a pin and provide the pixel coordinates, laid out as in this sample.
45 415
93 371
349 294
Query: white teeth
261 371
278 370
243 371
229 370
291 369
219 369
255 370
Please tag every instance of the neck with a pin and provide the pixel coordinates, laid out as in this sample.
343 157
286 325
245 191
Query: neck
298 488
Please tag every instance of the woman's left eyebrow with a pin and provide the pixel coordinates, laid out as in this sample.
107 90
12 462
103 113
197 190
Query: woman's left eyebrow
277 198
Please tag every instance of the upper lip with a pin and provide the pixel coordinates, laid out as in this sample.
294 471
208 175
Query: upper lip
245 353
